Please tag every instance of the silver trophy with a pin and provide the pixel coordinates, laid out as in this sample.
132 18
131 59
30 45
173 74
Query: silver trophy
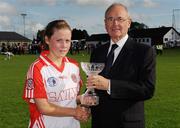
90 98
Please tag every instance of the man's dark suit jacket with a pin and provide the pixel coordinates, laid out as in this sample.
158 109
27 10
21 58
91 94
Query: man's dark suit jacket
132 78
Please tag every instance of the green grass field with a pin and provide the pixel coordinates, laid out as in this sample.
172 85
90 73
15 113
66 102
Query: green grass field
163 111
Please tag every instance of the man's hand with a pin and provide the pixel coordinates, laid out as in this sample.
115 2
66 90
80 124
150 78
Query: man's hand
98 82
82 113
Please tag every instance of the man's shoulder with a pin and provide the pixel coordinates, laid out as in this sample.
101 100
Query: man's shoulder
102 47
99 53
143 46
138 45
140 48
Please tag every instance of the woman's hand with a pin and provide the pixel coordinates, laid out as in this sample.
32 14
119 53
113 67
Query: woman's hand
82 113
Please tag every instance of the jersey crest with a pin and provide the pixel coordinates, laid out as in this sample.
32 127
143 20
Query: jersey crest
74 78
51 81
30 84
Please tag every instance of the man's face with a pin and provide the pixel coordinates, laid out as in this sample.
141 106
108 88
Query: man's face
117 23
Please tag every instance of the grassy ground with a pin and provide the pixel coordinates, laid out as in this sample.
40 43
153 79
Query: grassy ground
162 111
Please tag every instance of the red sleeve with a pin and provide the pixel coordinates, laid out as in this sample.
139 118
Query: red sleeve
34 86
39 90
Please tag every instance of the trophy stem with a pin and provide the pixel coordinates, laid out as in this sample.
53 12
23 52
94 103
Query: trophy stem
91 91
90 97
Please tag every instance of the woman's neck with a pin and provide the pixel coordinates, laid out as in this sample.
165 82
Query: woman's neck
56 60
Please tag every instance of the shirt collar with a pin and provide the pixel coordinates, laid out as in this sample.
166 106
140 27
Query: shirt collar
43 57
121 42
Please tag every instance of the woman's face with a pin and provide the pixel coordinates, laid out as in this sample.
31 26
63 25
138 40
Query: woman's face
59 43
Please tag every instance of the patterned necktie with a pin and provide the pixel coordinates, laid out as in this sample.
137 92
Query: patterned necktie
110 58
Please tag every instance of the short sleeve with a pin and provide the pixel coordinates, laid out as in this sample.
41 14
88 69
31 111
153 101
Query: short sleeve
34 85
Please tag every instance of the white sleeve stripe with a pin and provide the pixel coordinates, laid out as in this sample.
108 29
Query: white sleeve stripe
29 93
29 96
41 122
45 60
33 69
36 125
29 124
30 71
66 59
26 91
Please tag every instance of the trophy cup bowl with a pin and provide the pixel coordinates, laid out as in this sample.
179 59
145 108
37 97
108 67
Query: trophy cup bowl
90 98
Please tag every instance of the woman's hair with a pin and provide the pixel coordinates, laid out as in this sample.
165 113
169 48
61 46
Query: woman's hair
51 27
56 24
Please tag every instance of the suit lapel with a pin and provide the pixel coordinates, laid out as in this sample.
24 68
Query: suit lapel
126 50
105 50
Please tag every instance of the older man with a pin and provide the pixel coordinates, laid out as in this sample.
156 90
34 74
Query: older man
128 77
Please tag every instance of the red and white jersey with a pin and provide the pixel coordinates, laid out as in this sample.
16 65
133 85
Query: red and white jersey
59 86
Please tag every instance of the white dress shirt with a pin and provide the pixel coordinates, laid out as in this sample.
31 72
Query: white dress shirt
120 44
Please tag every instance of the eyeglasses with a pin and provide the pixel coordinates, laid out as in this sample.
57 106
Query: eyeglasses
118 19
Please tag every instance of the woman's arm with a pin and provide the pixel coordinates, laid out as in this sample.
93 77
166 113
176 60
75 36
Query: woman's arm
50 109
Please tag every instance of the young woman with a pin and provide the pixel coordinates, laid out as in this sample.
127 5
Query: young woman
53 83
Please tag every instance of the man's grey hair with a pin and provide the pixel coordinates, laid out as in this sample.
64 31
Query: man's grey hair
113 5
